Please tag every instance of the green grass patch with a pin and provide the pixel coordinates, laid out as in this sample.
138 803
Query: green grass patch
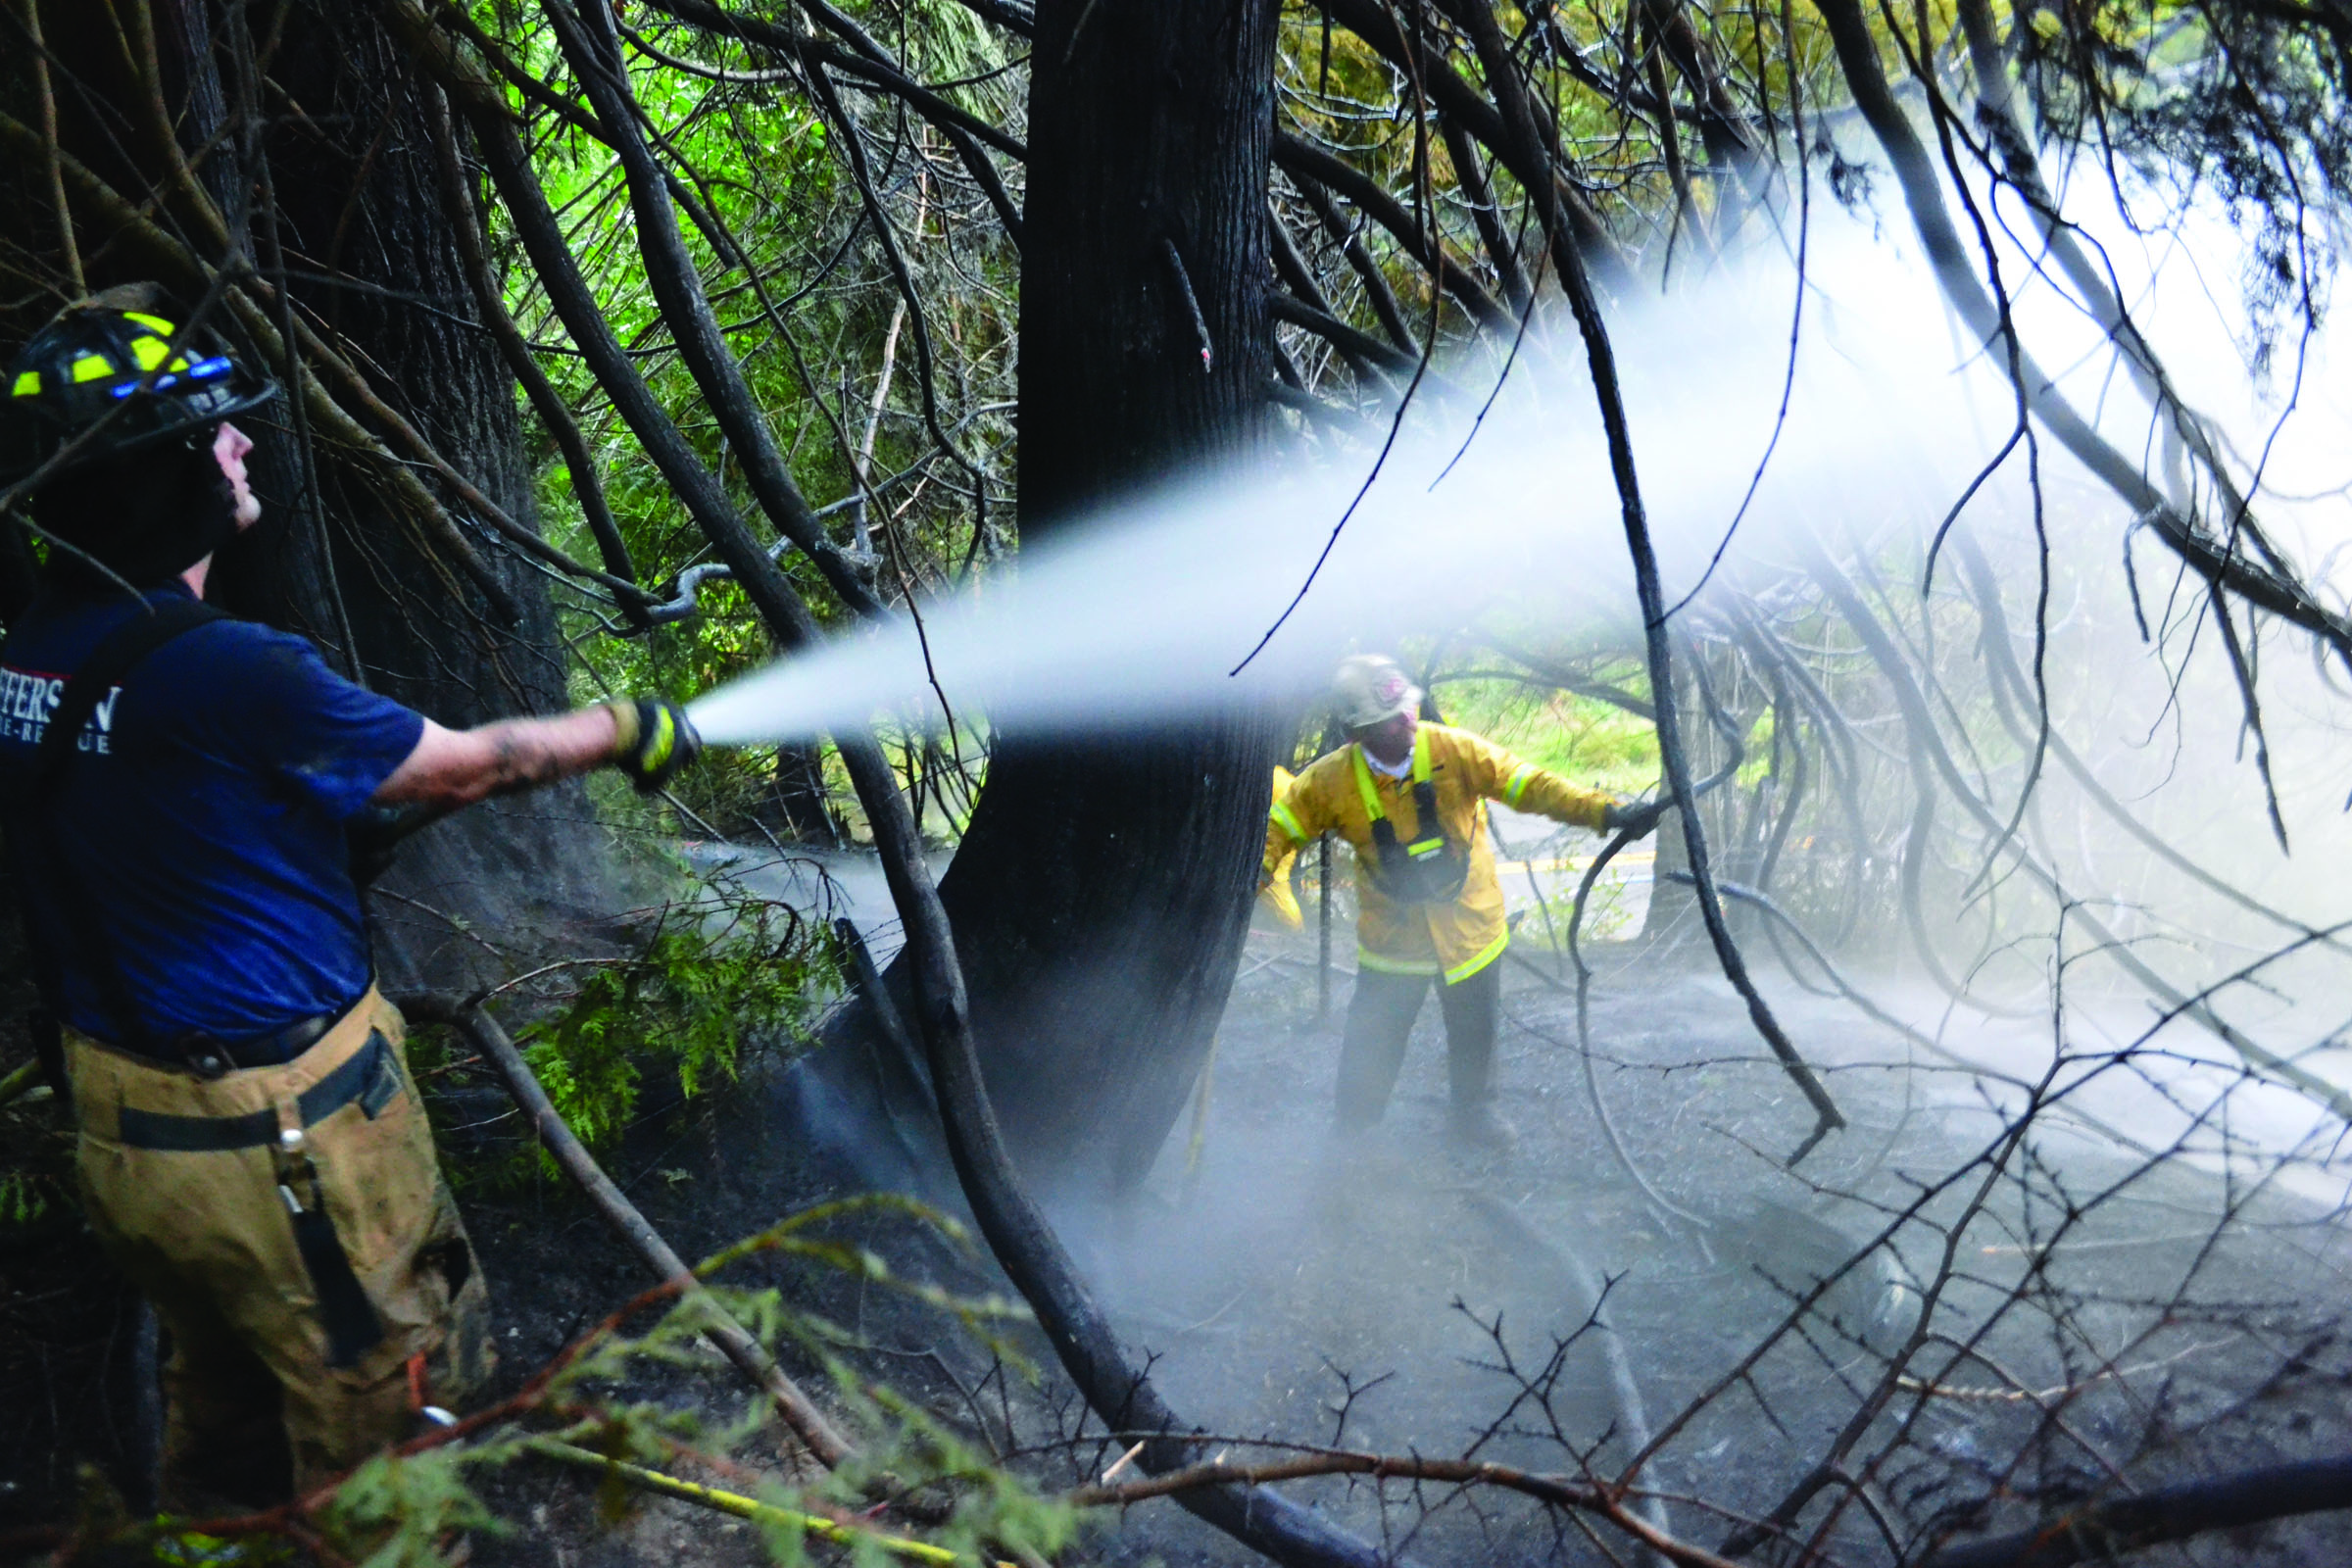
1590 742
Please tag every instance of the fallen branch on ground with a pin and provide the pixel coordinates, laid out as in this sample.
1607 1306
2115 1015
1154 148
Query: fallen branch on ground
737 1345
1560 1491
2173 1513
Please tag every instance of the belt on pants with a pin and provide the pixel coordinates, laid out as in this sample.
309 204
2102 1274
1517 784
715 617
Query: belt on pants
369 1079
281 1046
211 1058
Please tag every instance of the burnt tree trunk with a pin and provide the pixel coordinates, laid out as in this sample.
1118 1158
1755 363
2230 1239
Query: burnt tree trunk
1101 893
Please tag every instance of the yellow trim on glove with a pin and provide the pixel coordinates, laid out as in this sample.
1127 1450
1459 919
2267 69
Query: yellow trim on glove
653 754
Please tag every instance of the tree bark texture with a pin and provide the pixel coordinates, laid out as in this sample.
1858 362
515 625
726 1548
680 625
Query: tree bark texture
1100 895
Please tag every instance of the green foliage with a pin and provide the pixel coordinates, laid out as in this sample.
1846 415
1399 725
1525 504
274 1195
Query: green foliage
716 973
1759 752
398 1511
1608 913
192 1549
1590 742
26 1196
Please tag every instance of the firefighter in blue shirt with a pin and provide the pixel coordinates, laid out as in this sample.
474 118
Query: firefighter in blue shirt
179 787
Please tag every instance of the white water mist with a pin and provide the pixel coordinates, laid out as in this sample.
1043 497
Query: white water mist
1156 605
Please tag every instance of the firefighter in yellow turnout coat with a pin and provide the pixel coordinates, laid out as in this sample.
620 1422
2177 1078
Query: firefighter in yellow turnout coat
1410 798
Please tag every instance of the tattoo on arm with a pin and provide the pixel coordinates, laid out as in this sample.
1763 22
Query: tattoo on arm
522 760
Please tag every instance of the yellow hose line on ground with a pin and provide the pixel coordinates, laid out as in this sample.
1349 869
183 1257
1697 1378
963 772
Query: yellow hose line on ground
741 1508
20 1081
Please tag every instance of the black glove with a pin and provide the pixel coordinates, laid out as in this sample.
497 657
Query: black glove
1641 816
655 742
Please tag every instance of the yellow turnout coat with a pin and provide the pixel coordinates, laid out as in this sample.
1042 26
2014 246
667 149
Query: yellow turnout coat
1341 792
1274 887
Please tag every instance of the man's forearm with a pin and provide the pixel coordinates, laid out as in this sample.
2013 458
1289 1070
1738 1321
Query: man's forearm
458 767
526 753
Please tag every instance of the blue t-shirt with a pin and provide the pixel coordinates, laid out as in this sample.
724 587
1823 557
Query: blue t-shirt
203 812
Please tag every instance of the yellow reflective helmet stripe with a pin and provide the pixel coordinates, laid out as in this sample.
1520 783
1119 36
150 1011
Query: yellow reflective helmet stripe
1517 787
1470 966
1288 821
151 352
153 324
29 384
93 367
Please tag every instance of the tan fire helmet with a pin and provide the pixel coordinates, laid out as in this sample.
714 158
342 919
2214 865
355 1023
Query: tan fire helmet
1370 688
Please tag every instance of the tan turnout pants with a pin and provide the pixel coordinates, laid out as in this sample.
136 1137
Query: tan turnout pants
211 1194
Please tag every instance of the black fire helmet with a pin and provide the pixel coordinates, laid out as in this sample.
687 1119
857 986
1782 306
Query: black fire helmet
110 368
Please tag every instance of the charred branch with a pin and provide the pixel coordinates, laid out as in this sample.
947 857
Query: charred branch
545 401
1348 237
866 63
687 309
1919 720
749 1355
1024 1242
2215 560
2107 1530
1300 278
1304 162
1502 253
1357 347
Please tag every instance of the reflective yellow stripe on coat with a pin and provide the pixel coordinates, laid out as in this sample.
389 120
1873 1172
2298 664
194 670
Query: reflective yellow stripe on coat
1338 792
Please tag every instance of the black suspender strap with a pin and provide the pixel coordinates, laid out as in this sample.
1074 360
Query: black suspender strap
108 665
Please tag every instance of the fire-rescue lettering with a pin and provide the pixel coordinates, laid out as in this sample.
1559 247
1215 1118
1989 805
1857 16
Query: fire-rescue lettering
28 697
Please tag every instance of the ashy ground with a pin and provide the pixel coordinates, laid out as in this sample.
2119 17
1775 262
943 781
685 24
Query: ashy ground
2083 1315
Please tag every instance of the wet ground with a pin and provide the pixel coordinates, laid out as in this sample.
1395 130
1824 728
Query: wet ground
1390 1292
1287 1274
